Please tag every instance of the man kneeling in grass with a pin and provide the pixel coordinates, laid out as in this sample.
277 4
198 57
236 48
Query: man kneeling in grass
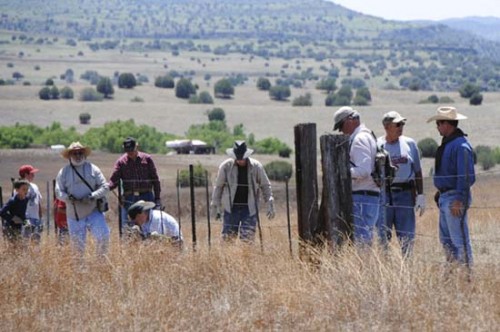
153 224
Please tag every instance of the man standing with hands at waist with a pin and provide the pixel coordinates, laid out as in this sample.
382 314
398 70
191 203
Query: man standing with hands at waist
139 176
405 194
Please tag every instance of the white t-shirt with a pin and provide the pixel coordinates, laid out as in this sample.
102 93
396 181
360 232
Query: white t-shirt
405 156
34 201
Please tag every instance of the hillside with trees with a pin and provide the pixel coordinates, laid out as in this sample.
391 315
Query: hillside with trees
418 56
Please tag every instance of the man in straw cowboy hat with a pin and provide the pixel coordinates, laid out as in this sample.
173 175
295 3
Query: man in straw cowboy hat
240 180
453 176
80 184
365 192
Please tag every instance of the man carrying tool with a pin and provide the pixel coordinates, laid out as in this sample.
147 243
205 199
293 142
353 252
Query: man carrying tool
405 194
453 176
81 185
139 176
240 180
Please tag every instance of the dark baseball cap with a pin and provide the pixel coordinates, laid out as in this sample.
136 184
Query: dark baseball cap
129 144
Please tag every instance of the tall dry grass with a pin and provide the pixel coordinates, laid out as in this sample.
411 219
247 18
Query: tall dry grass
246 287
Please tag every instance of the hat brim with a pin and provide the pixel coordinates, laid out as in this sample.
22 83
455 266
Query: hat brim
66 152
230 153
441 117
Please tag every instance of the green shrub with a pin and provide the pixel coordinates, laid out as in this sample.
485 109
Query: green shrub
428 147
305 100
90 94
49 82
270 145
44 93
476 99
165 82
84 118
54 92
216 114
278 170
485 156
67 93
199 177
446 100
263 84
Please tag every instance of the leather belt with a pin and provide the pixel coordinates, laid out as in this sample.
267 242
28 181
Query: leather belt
442 191
135 193
396 187
366 193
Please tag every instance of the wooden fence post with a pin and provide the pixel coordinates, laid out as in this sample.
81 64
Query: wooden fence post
306 175
335 217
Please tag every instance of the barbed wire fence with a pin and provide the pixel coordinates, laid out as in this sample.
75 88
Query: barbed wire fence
195 201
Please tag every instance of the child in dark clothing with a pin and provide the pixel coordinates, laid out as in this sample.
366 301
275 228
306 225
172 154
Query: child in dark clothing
14 211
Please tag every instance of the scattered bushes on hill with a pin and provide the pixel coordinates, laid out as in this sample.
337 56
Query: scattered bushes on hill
279 170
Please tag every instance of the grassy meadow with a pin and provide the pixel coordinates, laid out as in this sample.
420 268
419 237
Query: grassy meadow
234 287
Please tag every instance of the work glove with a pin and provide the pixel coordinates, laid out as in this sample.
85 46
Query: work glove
215 212
158 204
270 209
420 204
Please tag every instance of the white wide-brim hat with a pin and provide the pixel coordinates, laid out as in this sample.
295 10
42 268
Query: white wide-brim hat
447 113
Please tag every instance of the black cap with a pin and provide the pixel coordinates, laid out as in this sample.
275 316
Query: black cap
129 144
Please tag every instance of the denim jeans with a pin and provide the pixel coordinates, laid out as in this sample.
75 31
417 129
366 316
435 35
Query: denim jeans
34 231
96 224
239 220
454 231
400 215
128 200
365 211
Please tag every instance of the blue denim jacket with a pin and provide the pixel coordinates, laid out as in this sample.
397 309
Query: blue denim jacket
452 175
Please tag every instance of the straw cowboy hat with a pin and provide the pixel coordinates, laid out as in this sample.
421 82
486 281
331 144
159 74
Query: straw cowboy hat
447 113
239 151
75 146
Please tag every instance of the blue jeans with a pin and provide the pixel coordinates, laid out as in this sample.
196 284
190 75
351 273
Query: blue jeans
96 224
239 220
128 200
34 231
365 211
454 231
400 215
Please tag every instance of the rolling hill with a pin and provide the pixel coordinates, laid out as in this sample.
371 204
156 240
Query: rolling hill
416 55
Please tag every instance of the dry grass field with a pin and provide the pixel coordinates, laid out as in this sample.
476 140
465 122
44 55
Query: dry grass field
234 287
